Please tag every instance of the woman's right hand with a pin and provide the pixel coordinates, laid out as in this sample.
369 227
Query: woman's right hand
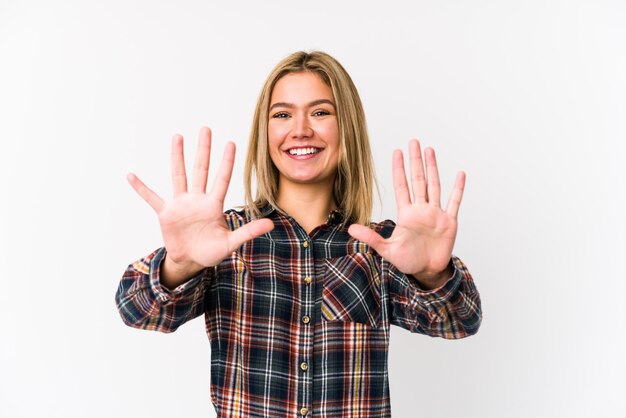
192 222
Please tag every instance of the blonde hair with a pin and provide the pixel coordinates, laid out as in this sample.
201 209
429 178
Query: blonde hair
355 179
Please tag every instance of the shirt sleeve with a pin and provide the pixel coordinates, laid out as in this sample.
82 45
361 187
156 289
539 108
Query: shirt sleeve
451 311
144 303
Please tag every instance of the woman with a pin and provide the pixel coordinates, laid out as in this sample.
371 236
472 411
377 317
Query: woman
298 289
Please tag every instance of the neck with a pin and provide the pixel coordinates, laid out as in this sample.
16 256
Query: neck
308 204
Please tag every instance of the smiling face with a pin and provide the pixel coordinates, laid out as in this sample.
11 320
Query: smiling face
303 135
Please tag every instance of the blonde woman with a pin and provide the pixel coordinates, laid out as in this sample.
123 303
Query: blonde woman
298 288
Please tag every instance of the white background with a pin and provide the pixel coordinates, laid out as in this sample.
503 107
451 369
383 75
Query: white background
528 97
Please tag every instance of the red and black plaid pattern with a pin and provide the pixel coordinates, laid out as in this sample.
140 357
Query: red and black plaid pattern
299 325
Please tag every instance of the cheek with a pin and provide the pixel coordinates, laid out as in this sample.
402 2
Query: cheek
277 128
331 133
273 144
272 135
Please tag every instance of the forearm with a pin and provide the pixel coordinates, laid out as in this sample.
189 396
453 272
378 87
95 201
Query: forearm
143 302
452 310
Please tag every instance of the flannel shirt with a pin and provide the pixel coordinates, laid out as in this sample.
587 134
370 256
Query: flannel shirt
298 324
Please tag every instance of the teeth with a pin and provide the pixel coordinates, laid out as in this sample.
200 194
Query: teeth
303 151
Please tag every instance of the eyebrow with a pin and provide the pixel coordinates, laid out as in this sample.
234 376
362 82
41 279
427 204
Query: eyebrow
313 103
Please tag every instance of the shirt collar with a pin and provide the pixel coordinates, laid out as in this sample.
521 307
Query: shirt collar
334 217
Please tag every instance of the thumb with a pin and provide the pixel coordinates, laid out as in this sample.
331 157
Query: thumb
368 236
249 232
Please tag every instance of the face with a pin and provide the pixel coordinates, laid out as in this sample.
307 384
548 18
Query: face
303 135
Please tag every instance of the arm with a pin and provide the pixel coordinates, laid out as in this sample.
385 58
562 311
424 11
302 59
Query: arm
167 288
143 302
451 311
431 291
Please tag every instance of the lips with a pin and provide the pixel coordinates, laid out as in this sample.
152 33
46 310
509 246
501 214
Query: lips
304 151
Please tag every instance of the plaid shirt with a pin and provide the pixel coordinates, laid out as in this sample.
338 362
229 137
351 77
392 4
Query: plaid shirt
299 324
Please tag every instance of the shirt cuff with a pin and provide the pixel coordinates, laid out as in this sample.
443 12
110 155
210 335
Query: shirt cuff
162 293
439 294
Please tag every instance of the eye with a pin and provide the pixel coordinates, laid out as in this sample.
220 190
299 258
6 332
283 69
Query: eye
321 113
280 115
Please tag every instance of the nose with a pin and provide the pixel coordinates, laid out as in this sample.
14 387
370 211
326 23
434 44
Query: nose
301 128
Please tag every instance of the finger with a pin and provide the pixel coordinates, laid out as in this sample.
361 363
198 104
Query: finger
201 165
368 236
222 179
179 176
433 188
457 194
248 232
400 186
144 191
418 181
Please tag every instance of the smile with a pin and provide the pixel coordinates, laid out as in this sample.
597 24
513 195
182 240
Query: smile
304 151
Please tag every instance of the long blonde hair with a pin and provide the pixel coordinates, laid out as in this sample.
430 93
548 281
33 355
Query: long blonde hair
355 179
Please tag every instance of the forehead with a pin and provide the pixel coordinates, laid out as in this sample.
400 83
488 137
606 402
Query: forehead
302 87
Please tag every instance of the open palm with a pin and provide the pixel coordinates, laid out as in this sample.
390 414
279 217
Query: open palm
192 222
422 241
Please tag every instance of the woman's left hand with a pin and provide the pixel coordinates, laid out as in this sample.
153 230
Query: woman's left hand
421 243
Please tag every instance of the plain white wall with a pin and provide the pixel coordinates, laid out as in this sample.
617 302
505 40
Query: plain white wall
527 96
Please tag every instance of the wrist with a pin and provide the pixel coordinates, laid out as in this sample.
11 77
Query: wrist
173 274
429 281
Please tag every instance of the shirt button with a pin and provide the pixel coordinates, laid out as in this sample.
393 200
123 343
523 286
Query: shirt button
304 367
308 280
306 319
305 244
304 411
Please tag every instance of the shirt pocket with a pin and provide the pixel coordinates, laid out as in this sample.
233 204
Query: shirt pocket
351 290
